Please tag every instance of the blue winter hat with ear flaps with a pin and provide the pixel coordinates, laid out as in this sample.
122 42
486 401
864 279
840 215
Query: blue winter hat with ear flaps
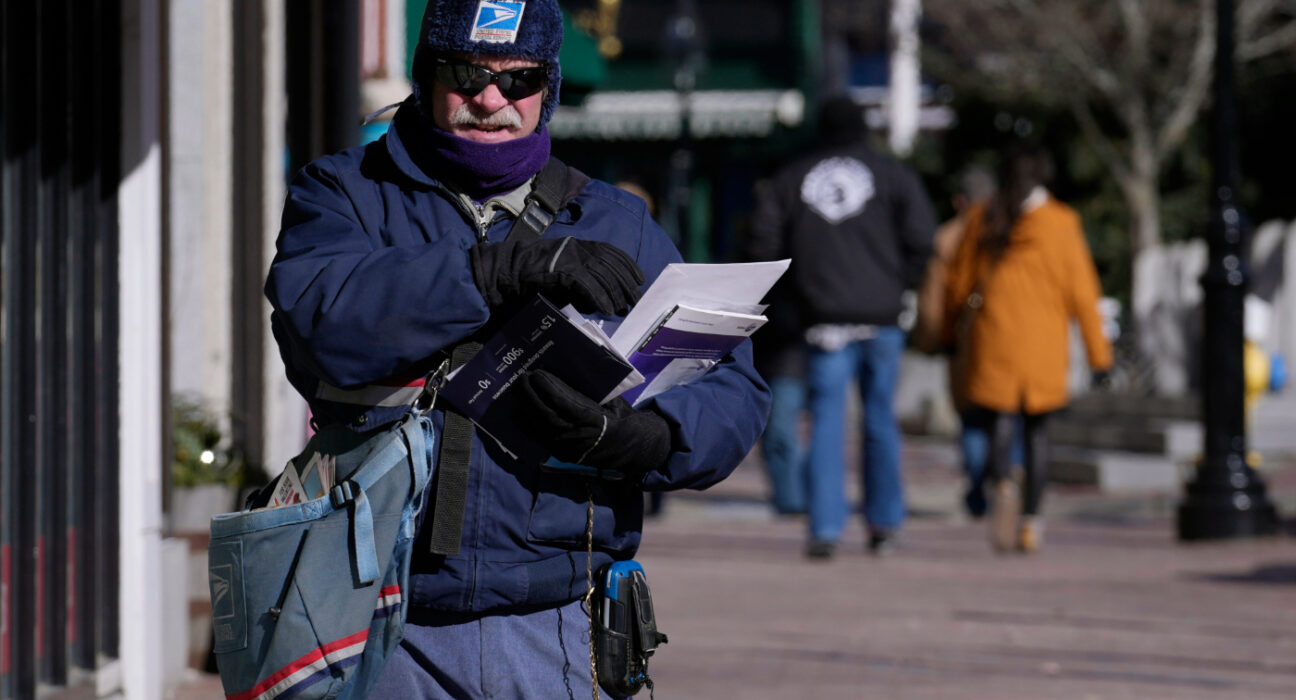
532 30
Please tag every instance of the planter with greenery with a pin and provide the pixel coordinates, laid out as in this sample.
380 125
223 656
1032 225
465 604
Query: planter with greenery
206 472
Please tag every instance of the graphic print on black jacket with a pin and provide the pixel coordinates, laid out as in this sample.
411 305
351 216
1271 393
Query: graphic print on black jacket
846 204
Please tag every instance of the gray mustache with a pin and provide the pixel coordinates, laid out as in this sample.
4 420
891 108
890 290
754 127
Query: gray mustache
507 117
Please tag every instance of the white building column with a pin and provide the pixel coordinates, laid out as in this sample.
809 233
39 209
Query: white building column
200 142
140 353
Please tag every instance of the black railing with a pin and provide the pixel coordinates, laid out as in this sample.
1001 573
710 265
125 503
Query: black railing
59 139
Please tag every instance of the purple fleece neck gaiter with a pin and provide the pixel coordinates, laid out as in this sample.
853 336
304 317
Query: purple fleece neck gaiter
483 170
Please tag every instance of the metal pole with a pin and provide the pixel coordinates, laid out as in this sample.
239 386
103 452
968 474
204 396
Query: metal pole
683 46
1227 498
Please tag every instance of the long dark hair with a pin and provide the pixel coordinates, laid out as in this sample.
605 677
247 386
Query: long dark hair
1023 169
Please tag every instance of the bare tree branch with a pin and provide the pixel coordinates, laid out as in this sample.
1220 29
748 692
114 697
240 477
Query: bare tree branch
1189 101
1135 17
1267 45
1068 41
1135 74
1250 15
1098 139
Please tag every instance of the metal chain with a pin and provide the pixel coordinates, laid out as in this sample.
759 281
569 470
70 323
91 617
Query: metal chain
589 583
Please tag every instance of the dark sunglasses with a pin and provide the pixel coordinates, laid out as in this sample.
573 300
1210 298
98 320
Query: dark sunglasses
469 79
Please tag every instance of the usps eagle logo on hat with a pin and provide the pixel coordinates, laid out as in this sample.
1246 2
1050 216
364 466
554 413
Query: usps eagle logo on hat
497 21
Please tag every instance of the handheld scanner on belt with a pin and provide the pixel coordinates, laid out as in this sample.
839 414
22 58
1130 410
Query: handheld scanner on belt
626 627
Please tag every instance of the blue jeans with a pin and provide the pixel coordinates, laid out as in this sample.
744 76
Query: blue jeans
785 456
875 365
540 655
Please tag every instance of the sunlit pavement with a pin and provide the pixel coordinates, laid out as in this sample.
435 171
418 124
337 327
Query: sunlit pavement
1112 607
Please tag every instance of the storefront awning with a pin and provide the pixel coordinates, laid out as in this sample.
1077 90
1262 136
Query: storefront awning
656 114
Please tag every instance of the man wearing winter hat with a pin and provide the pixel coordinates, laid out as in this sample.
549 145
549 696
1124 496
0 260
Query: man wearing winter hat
393 257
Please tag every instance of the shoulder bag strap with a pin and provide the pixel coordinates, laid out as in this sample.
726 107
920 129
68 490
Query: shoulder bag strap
974 301
555 186
404 443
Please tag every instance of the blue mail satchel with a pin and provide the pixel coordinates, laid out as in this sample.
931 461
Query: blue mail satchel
306 598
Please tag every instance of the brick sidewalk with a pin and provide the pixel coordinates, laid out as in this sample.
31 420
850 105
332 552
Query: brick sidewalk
1113 607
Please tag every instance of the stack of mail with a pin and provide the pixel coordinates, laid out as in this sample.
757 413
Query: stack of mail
298 485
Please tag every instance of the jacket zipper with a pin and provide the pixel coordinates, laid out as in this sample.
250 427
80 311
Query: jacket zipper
480 215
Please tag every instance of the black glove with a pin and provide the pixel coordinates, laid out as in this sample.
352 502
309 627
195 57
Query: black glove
1099 380
590 275
576 429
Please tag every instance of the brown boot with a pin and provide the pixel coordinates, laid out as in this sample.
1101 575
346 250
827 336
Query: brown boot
1005 513
1031 535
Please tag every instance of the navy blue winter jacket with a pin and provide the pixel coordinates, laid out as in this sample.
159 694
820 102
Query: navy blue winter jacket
372 282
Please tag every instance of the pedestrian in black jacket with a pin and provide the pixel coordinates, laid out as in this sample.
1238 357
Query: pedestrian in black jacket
858 226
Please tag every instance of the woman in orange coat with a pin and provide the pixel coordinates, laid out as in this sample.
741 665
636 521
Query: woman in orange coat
1021 273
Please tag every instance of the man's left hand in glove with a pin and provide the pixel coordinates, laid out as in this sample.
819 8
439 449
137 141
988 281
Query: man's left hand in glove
576 429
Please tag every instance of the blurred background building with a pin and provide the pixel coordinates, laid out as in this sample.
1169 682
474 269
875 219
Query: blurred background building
146 147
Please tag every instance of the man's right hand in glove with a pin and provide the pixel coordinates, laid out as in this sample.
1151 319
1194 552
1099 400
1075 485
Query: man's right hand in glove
590 275
575 428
